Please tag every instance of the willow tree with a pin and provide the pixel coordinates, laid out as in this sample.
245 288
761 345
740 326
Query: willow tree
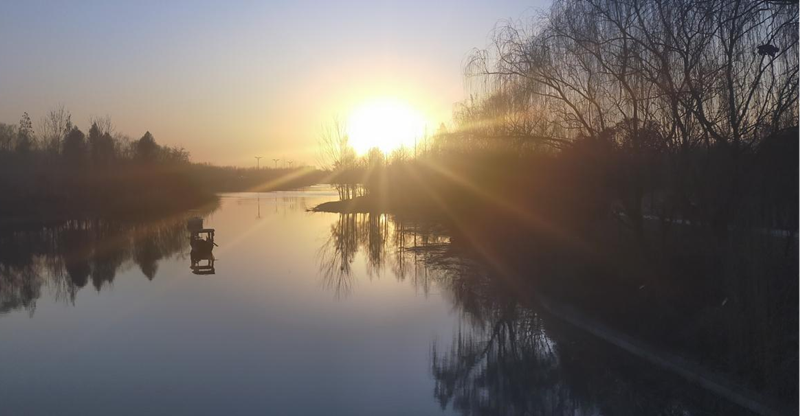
710 80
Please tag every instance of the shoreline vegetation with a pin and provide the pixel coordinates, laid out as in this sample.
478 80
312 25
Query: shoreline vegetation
624 159
57 172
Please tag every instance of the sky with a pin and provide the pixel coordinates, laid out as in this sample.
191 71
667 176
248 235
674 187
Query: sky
237 79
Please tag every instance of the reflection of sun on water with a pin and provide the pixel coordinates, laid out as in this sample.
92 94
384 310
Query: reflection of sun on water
386 124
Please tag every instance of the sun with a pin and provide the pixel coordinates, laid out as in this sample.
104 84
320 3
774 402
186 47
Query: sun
385 123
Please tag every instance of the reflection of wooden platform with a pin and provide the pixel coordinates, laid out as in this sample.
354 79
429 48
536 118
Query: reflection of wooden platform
204 269
202 242
198 267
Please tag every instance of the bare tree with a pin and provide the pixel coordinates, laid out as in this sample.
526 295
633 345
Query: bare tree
336 153
8 136
689 74
334 146
103 123
53 127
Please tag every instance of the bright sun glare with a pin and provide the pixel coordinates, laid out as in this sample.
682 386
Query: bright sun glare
386 124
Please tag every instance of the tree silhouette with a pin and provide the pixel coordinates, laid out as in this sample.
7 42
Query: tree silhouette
74 147
146 148
25 137
53 127
101 146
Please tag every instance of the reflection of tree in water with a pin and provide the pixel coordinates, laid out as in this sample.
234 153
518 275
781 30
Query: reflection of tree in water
401 245
337 253
76 245
146 254
21 279
502 361
507 368
508 359
111 251
67 255
20 290
156 241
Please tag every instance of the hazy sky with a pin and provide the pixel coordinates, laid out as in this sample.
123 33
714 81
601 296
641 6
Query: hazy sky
230 80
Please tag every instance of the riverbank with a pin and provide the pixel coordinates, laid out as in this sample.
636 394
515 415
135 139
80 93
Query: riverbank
45 215
123 192
371 204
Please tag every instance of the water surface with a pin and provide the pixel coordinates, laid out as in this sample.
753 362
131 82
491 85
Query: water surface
305 313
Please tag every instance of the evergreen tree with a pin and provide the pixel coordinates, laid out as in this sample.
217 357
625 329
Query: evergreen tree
147 148
101 146
74 150
25 138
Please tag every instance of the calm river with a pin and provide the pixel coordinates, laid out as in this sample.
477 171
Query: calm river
300 313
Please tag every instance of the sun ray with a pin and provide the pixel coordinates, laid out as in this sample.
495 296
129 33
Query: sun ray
481 249
528 219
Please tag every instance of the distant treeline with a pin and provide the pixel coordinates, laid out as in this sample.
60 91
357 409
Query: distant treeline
56 170
61 172
638 158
